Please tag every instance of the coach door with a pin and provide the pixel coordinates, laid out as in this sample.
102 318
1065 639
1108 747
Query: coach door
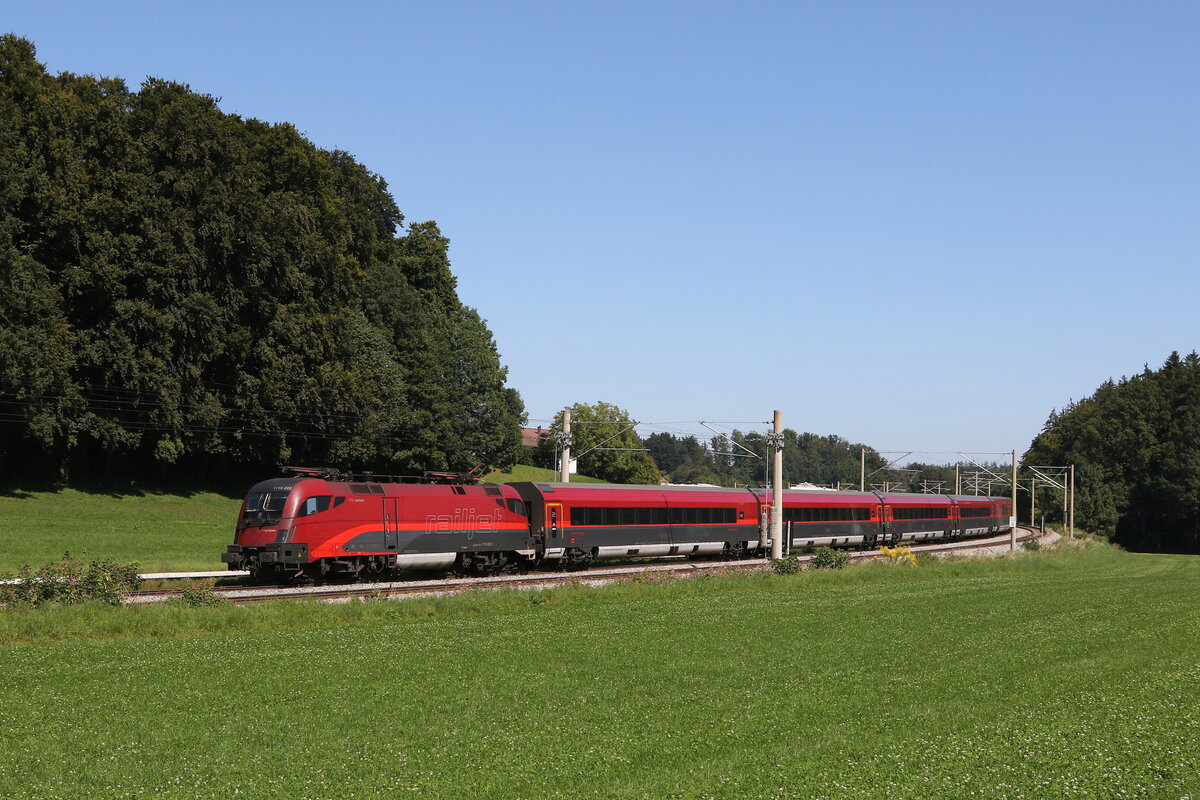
554 521
391 522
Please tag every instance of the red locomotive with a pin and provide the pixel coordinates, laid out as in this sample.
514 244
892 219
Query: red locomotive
322 523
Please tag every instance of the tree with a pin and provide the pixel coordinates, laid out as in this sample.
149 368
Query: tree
189 290
1135 444
604 441
683 459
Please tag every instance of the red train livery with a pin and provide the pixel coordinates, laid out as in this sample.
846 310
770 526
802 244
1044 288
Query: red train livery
320 523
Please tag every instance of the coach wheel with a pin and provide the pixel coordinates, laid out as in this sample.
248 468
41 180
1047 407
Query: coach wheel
735 551
576 558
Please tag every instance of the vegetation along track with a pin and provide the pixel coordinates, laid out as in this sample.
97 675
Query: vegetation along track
427 587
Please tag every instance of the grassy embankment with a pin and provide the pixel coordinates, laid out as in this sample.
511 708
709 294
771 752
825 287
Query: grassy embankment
521 472
1051 674
159 531
162 532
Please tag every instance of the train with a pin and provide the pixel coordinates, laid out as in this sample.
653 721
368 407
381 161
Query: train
322 524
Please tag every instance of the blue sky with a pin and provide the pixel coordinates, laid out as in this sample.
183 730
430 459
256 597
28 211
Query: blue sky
919 225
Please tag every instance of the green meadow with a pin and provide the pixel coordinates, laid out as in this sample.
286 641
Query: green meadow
1070 672
523 472
162 532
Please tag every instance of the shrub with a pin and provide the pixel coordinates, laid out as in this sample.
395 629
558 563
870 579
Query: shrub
69 580
828 558
1031 543
788 565
198 596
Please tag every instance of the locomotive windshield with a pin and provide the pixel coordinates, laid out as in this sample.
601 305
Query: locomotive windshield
265 508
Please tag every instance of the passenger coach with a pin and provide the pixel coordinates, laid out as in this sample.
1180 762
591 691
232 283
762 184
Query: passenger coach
579 522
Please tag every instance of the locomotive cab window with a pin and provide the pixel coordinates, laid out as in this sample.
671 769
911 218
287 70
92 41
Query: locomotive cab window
269 502
265 508
314 505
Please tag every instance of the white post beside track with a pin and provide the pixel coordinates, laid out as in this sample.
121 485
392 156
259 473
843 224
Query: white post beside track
566 447
1012 530
776 440
1072 528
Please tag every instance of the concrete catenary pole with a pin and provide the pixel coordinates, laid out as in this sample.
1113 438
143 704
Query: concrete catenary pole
862 470
1012 530
957 480
1072 528
777 489
1032 501
1066 496
566 447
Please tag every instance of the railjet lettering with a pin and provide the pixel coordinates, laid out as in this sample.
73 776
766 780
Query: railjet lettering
463 520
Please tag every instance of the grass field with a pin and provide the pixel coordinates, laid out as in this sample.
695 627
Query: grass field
1051 674
159 531
522 472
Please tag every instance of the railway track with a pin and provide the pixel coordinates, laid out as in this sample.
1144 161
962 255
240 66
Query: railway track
441 587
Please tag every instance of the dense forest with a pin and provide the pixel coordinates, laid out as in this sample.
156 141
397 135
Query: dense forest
187 292
1135 445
